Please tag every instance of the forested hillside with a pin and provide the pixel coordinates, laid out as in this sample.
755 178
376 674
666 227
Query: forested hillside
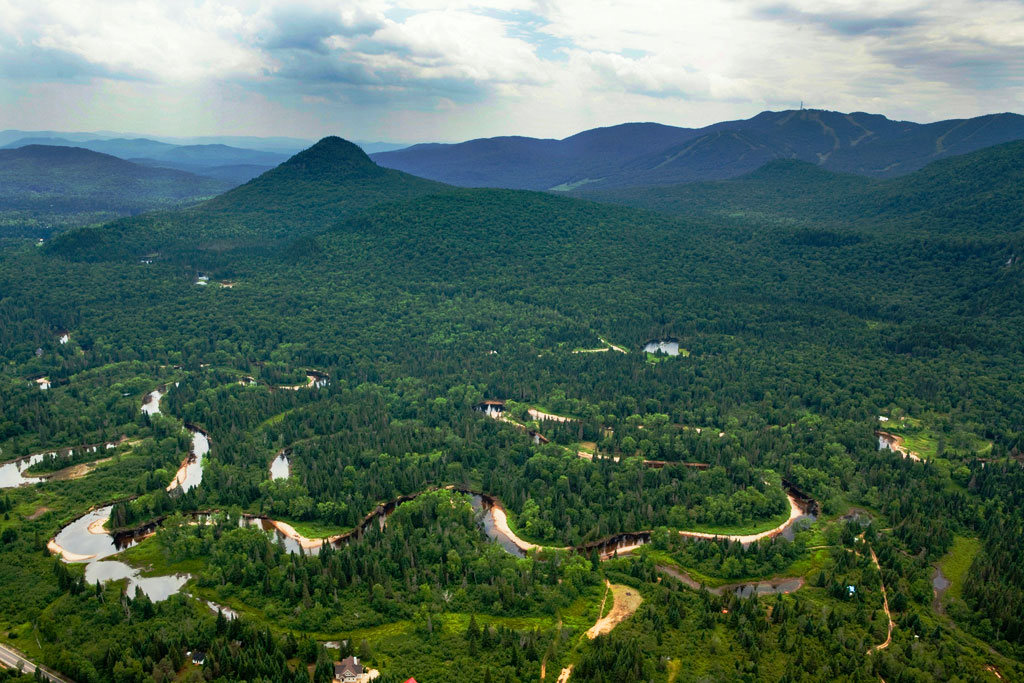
973 195
305 195
45 189
637 154
475 358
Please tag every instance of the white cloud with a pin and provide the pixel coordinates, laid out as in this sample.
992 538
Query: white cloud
451 70
148 40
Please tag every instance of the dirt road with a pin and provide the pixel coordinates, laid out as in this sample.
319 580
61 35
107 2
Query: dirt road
885 604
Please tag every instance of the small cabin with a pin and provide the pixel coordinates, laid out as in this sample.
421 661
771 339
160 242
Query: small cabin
491 407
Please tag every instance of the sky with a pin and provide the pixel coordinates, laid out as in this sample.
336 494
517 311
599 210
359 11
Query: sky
422 70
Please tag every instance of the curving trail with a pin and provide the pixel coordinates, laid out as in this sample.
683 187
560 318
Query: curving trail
885 604
608 347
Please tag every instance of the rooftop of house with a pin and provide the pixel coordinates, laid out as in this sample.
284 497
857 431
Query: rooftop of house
348 666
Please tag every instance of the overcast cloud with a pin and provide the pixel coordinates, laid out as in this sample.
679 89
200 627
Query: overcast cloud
425 70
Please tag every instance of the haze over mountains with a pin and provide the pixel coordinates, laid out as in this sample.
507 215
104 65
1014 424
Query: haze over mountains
45 188
653 154
231 158
223 162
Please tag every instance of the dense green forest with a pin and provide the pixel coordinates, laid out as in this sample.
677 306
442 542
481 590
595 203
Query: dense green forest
413 303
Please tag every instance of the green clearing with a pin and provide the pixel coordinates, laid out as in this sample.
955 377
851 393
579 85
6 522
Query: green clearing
316 529
957 562
921 436
741 529
153 561
654 358
812 562
275 419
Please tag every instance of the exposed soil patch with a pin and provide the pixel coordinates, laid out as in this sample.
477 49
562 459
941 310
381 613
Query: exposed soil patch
75 471
39 512
626 601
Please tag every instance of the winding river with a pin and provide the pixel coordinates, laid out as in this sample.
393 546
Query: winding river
190 474
772 586
86 540
13 473
151 402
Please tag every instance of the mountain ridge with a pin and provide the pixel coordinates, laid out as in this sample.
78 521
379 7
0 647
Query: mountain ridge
635 154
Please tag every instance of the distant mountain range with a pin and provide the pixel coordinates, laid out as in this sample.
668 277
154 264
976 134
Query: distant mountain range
334 181
223 162
234 159
282 145
636 154
46 188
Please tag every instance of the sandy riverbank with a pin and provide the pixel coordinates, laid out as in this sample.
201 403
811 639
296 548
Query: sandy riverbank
795 511
501 526
306 543
97 527
182 474
68 556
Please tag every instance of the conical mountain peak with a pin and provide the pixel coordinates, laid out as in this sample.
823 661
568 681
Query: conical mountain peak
333 156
